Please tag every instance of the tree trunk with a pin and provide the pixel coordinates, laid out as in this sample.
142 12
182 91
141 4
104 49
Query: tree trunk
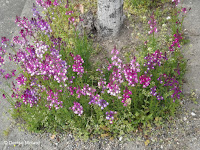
110 17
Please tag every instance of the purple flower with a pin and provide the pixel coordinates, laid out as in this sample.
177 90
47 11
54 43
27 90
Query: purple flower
77 108
17 104
110 116
159 97
95 99
29 96
154 60
153 91
103 103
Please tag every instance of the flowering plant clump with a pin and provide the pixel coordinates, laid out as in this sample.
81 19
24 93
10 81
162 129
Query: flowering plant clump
59 89
152 23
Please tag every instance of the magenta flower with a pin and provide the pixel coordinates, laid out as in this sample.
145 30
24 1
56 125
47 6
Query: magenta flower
4 96
21 79
145 80
55 3
4 40
77 108
184 10
130 72
176 2
7 76
69 12
53 99
126 96
176 41
77 67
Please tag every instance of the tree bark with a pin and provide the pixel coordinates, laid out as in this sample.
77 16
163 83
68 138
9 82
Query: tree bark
109 17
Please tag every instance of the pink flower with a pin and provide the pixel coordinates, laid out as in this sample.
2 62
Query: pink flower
144 80
152 23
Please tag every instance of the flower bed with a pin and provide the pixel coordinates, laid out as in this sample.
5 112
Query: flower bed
61 90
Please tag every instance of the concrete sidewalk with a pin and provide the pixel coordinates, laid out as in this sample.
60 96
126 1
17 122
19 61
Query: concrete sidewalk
191 51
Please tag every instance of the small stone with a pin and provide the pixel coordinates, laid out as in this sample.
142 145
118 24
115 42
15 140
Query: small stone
56 144
184 118
120 138
193 114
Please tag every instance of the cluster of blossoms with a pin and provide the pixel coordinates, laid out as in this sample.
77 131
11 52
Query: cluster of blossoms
94 99
176 2
154 59
176 41
40 49
130 72
53 99
70 19
154 93
77 66
173 83
110 116
97 101
86 90
126 96
26 30
47 3
39 23
2 52
29 97
4 41
17 104
51 66
77 108
116 77
152 23
21 79
102 84
145 80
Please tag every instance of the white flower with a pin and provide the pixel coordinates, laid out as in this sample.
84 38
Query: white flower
168 18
